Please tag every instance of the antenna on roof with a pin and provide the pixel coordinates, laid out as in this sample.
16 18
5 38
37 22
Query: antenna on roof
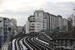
41 9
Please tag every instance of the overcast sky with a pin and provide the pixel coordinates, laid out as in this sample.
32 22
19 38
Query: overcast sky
22 9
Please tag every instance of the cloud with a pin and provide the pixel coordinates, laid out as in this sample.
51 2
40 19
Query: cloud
59 8
22 9
56 1
16 5
20 16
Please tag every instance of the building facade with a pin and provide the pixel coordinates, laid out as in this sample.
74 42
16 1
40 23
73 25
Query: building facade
40 20
3 30
13 25
53 21
20 29
43 21
6 29
70 24
64 24
36 22
73 18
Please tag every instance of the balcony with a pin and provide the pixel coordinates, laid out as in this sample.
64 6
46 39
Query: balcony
5 34
31 20
5 22
31 30
31 25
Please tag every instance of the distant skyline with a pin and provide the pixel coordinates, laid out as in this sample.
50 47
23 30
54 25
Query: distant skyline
22 9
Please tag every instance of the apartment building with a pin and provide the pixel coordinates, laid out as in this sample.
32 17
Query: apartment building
70 24
53 21
20 29
27 27
74 21
59 22
42 21
13 24
36 22
3 30
64 24
6 29
31 20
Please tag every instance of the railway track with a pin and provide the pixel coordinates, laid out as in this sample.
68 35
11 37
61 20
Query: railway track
41 47
45 46
30 44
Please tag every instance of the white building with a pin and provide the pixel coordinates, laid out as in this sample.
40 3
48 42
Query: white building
40 20
19 29
64 24
36 22
59 21
13 24
24 29
5 32
53 21
45 21
14 21
27 27
73 21
70 24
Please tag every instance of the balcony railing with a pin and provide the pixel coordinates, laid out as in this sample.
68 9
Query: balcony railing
32 20
31 25
31 28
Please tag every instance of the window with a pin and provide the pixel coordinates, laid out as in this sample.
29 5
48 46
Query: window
0 37
5 33
32 23
5 29
4 18
33 18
